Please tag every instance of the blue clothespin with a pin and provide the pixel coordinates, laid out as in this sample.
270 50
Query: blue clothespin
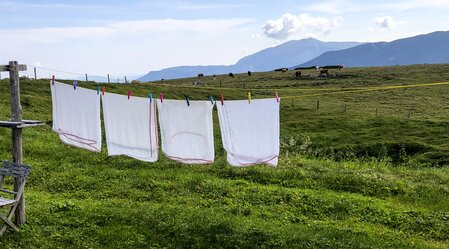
74 84
187 99
212 100
151 97
98 89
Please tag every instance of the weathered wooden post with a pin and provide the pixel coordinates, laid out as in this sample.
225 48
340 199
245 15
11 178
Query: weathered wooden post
35 74
108 80
86 77
126 81
16 116
317 104
16 124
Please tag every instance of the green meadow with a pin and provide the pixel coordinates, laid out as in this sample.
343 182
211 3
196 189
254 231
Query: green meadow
364 163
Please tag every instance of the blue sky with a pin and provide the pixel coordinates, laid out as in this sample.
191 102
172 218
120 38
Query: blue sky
134 37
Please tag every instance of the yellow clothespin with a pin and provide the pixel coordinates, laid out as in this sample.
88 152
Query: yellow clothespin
249 97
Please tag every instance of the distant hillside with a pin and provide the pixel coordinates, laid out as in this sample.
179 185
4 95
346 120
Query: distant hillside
430 48
285 55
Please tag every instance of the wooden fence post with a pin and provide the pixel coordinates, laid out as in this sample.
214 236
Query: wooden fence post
317 104
35 74
86 77
16 113
108 80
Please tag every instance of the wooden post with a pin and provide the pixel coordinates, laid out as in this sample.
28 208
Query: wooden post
345 108
126 80
376 111
86 77
35 74
16 113
220 82
317 104
293 101
108 80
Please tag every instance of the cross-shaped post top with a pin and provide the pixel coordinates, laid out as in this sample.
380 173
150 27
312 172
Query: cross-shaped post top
13 66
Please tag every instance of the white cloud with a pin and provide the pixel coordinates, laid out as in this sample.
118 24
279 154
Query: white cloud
386 22
291 25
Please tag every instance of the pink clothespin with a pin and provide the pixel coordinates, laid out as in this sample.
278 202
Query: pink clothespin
161 97
53 80
222 99
277 97
129 94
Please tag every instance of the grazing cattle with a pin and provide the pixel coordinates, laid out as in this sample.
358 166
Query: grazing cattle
324 72
214 76
249 73
298 74
200 75
341 66
231 75
284 70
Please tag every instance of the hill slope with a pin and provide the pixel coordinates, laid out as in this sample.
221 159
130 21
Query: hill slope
357 172
430 48
285 55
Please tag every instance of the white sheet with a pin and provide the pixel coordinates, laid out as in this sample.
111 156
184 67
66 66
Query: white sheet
187 131
130 126
76 116
250 131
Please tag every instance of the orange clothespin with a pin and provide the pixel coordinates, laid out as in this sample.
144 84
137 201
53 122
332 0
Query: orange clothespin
102 90
277 97
222 99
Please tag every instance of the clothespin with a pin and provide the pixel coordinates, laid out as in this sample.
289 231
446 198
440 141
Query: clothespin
53 80
187 99
102 90
249 97
151 97
212 100
75 83
161 97
222 99
98 89
129 94
277 97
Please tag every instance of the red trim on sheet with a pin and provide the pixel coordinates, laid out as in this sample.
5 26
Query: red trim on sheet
89 142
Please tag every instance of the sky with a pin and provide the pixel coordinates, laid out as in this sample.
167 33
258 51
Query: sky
129 38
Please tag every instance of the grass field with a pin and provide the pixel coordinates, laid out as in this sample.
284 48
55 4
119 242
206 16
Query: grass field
367 169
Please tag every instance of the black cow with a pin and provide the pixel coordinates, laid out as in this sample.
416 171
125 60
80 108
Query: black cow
298 74
249 73
231 75
200 75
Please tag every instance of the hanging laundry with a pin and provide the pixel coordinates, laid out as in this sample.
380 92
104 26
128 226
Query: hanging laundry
130 126
187 132
250 131
76 116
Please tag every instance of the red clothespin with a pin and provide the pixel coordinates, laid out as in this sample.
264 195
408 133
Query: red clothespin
222 99
102 90
53 80
161 97
277 97
129 94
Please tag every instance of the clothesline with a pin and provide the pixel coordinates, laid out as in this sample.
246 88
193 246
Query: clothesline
250 132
